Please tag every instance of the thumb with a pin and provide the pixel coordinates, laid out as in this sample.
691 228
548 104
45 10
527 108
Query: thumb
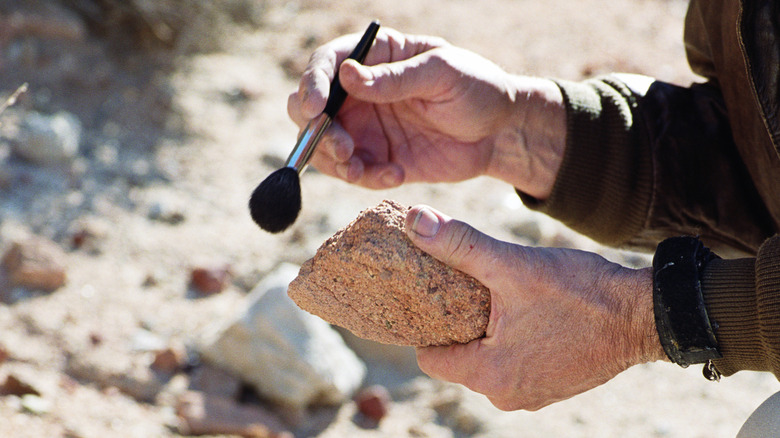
453 242
392 82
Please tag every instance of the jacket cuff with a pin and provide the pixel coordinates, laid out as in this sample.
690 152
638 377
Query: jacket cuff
729 293
603 188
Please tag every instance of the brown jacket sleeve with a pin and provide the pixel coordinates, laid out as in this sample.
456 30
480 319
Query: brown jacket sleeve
743 303
649 162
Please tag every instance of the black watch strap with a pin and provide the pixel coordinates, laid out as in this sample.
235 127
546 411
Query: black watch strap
684 327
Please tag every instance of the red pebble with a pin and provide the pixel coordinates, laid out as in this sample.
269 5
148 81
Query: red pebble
168 361
373 402
210 281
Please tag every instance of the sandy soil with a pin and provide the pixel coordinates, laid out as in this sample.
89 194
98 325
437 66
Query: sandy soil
187 133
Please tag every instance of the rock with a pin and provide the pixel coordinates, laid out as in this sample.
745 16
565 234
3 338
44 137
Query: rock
170 360
36 404
289 356
166 211
36 264
88 233
144 341
372 280
210 280
48 139
109 367
214 381
15 386
204 414
373 402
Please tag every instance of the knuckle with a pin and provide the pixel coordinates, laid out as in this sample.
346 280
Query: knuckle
461 244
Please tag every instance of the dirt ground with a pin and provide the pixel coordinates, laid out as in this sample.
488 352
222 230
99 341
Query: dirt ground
182 117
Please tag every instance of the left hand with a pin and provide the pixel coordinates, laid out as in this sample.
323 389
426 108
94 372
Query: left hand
562 321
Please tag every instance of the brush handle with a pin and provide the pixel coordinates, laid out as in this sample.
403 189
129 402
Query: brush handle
337 94
307 142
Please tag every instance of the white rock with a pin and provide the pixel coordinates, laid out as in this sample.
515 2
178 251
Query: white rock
48 140
288 355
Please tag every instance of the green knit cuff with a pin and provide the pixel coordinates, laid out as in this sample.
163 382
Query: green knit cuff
729 293
604 185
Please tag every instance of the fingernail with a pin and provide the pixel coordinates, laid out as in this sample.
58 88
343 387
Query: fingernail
426 224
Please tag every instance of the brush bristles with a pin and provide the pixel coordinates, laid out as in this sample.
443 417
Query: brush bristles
276 201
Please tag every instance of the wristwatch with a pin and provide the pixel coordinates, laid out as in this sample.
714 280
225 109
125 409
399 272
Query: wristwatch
684 328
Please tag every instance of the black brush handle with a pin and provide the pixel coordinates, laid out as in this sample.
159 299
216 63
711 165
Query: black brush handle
337 93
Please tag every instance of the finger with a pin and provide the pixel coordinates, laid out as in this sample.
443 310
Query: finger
455 243
314 87
294 110
315 82
390 45
381 176
422 76
349 171
337 144
454 363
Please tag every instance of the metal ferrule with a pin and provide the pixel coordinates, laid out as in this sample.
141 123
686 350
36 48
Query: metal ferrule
307 142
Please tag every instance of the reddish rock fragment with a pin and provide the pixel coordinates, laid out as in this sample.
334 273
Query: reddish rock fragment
373 402
36 263
372 280
210 280
15 386
169 360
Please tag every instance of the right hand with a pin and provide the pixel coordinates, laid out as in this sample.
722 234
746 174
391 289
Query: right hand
422 110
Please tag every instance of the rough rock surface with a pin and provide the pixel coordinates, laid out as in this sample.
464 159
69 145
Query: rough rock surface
372 280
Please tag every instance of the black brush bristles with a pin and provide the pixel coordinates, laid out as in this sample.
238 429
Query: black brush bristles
276 201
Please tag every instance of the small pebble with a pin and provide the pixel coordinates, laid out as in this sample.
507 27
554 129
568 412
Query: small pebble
15 386
48 139
210 280
36 404
373 402
36 263
169 360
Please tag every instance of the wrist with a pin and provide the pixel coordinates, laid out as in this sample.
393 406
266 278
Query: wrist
642 342
528 149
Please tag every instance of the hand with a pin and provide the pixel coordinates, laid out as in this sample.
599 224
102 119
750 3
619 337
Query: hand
422 110
562 321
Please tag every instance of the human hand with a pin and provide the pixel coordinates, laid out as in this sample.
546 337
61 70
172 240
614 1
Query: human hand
422 110
562 321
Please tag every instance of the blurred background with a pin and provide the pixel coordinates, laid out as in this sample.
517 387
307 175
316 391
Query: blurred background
138 299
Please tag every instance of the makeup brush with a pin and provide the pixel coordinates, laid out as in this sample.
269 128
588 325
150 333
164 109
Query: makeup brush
276 201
